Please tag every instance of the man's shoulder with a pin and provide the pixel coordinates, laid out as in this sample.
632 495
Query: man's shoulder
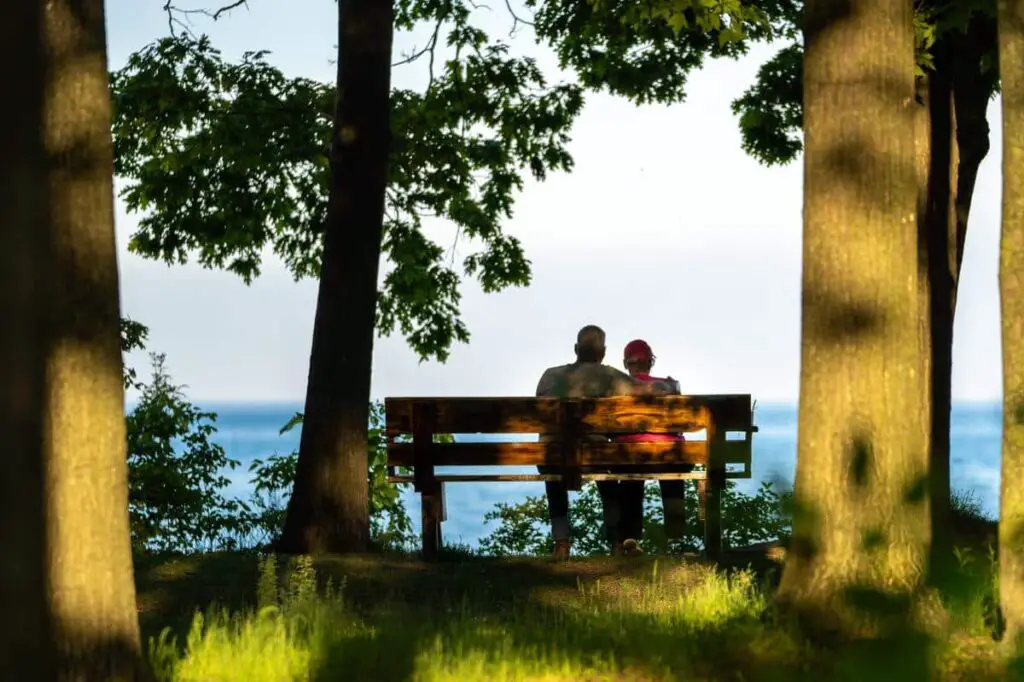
597 369
557 369
667 384
552 381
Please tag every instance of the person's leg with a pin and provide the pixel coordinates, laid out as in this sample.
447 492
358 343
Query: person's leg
673 500
611 510
558 512
631 495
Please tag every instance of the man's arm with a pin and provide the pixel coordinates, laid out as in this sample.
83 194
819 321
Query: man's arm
651 388
623 384
670 386
545 387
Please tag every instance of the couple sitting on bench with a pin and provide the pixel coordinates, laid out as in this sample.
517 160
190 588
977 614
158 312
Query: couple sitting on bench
622 500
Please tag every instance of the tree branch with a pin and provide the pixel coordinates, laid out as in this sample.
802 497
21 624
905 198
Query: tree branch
516 19
430 47
173 13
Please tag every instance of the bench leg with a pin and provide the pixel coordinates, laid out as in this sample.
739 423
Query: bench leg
709 492
431 505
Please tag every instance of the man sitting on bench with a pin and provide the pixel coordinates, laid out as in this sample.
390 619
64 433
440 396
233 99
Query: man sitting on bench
585 378
638 359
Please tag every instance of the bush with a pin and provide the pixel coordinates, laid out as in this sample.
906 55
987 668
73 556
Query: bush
178 491
523 528
176 485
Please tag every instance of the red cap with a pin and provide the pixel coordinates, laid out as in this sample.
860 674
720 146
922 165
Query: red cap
638 350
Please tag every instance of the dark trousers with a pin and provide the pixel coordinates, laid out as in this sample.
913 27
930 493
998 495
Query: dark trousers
611 502
558 504
623 503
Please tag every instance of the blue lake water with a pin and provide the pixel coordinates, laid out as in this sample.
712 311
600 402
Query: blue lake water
250 431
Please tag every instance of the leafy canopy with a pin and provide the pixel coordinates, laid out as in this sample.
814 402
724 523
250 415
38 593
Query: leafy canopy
771 111
644 51
226 162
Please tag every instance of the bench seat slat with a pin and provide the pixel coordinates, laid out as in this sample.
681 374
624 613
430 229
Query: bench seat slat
550 453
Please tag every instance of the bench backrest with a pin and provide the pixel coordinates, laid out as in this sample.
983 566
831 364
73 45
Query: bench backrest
412 425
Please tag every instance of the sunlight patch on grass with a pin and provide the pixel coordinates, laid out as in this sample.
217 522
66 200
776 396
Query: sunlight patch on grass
644 624
617 635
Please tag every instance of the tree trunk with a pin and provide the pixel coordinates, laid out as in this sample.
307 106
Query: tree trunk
972 90
67 571
1011 294
25 640
958 116
938 225
328 510
862 515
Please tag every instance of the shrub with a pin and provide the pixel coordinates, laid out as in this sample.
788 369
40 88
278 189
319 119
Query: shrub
176 484
523 528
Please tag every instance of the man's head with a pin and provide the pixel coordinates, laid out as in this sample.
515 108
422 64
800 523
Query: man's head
590 344
638 357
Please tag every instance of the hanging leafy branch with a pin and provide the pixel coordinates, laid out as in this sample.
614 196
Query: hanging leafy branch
646 50
771 110
227 161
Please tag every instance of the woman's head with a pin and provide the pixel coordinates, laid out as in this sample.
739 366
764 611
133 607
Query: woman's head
638 357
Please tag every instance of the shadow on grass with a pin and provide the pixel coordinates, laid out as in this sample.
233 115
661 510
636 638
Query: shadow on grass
638 619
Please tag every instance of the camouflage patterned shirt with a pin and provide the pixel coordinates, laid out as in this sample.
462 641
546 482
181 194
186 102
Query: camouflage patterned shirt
591 380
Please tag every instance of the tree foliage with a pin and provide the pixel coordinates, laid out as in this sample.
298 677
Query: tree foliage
178 484
225 160
646 50
771 110
176 473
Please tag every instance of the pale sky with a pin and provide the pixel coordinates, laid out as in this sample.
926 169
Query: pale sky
665 230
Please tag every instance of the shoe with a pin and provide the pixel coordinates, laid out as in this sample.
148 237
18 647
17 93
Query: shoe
629 547
561 550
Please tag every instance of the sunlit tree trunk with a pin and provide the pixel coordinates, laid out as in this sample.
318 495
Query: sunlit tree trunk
68 593
862 515
328 510
1011 294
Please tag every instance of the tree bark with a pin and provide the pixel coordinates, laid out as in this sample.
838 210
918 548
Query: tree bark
1011 294
972 91
328 510
67 571
958 116
938 225
25 641
862 515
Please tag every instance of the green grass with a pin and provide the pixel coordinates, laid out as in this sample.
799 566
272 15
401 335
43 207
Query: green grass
395 619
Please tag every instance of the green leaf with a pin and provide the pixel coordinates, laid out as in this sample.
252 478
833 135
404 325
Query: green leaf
227 161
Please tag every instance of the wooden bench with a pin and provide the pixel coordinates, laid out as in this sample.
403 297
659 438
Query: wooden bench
414 424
